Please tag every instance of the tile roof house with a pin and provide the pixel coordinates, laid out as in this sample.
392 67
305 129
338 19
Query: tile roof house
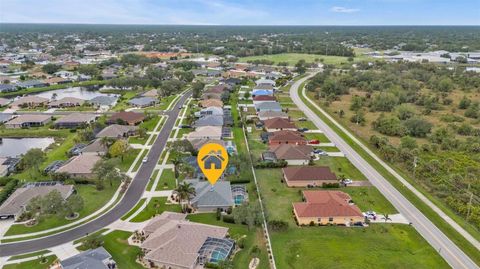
103 100
293 154
75 120
211 95
117 131
97 258
265 115
265 81
4 117
327 207
97 147
15 205
211 102
66 102
30 101
206 132
209 120
80 166
268 106
259 92
31 84
151 93
279 124
304 176
286 137
208 198
4 101
264 87
263 98
130 117
181 244
8 88
28 120
143 101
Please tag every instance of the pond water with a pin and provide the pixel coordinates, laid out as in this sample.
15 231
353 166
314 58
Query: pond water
78 92
12 147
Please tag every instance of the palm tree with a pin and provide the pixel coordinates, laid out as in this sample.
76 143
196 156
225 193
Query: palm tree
176 161
105 141
386 218
184 191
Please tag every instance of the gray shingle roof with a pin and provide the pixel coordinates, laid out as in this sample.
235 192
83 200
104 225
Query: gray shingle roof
90 259
210 120
218 195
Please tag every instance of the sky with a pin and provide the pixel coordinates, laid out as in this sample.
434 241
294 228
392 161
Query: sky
246 12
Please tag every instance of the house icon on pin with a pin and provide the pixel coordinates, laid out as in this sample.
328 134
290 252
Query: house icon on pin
213 158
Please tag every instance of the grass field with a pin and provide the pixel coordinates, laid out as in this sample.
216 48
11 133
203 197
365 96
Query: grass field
167 180
378 246
293 58
34 264
339 166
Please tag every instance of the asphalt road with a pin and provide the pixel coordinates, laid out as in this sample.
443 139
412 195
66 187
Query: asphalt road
130 199
455 257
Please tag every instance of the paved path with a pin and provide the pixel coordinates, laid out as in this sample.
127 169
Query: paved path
132 196
439 241
64 251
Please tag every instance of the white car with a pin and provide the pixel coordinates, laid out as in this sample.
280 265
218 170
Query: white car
347 181
145 160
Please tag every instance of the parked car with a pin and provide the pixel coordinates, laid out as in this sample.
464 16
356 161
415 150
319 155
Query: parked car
185 126
145 160
302 129
320 152
302 119
347 181
314 141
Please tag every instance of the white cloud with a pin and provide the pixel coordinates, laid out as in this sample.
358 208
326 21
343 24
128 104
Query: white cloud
344 10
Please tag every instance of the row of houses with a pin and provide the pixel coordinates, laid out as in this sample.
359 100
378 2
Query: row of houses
35 101
289 145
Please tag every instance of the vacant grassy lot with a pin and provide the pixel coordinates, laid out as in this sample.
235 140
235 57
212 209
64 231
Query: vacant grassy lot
252 238
341 166
293 58
378 246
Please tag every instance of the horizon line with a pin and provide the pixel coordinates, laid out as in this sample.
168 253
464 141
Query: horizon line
236 25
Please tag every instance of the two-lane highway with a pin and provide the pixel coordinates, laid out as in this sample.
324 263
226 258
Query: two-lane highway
130 199
437 239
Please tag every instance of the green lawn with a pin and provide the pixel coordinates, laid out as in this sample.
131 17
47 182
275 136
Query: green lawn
134 209
122 103
341 165
137 140
28 255
128 159
152 140
154 207
35 264
124 254
252 238
306 124
184 131
318 136
165 102
167 180
92 199
293 58
377 246
139 162
150 124
152 179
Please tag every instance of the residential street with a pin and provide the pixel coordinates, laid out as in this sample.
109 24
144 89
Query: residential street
132 196
447 249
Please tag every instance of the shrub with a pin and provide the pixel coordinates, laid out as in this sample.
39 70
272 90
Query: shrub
228 219
8 189
330 185
278 225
